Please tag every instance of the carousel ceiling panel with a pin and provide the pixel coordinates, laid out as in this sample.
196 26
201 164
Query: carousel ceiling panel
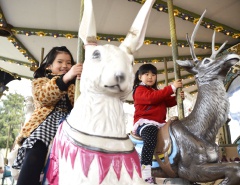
35 24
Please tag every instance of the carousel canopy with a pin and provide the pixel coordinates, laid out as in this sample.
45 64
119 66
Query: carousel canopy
29 29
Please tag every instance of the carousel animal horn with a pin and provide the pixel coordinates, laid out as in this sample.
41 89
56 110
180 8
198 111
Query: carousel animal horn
191 42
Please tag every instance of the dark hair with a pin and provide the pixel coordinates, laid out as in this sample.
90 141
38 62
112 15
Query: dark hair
42 71
145 68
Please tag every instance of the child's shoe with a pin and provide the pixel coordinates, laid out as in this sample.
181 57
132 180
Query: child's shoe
147 174
150 180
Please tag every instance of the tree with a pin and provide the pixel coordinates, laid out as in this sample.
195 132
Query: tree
11 118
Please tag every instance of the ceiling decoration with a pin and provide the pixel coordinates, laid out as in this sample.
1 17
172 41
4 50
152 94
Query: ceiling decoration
192 17
106 37
159 5
12 34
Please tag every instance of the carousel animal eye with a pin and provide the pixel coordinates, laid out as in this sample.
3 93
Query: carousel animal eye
96 54
206 61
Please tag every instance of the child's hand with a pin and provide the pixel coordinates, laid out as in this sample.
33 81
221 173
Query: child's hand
182 95
178 83
75 71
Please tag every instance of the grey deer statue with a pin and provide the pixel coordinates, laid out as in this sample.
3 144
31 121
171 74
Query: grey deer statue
197 159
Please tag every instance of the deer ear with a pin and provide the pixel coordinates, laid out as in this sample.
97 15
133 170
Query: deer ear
87 29
187 65
135 37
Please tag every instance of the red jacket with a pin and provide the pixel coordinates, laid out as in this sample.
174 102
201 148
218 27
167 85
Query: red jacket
152 104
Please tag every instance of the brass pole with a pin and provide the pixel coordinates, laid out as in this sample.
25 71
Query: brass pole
80 54
166 72
175 55
166 79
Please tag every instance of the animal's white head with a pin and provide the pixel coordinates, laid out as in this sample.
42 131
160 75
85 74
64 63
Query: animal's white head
107 76
108 69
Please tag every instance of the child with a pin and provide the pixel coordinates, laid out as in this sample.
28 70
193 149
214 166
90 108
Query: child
150 112
53 94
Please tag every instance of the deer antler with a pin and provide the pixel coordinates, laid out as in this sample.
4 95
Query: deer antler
191 42
214 53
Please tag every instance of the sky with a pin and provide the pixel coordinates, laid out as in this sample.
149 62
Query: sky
22 87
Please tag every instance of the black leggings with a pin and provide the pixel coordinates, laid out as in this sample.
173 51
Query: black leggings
149 137
33 164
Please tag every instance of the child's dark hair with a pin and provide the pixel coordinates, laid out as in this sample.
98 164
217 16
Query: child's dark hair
42 71
145 68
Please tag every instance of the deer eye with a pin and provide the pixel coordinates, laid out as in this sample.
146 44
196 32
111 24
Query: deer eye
206 61
96 54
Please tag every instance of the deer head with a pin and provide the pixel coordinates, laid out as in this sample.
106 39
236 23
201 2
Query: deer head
209 68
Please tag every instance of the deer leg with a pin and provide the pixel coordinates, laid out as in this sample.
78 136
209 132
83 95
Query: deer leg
229 172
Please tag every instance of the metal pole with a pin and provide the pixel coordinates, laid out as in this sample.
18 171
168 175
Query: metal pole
80 54
166 79
175 56
166 72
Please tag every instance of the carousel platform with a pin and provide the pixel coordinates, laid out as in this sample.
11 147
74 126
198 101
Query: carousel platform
177 181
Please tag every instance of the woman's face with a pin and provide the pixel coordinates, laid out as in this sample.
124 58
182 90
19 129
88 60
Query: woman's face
148 78
62 64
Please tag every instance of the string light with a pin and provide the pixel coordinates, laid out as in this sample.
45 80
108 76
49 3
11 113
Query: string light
55 35
147 42
227 33
208 26
121 39
27 34
161 8
68 36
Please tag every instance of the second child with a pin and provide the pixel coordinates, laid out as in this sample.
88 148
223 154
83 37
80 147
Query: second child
151 106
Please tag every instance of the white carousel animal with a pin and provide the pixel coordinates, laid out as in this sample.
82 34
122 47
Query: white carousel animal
91 146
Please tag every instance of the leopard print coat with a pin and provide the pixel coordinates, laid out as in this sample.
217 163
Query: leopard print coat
46 93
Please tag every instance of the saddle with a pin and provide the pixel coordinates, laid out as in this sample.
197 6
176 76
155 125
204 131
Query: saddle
163 147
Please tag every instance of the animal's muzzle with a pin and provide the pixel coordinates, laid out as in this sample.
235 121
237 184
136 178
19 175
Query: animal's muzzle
120 77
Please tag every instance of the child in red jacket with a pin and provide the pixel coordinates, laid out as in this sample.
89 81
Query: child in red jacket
150 111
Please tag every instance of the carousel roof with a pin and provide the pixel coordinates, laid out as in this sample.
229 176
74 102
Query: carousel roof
30 29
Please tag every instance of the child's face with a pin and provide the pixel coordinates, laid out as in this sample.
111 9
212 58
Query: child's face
62 64
148 78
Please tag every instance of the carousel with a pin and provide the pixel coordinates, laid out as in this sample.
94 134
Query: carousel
150 32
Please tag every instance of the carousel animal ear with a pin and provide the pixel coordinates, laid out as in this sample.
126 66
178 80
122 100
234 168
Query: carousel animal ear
87 29
135 37
187 65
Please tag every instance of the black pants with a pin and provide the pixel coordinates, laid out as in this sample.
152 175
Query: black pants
33 164
149 137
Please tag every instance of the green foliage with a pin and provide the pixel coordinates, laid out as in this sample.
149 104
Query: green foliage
11 118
